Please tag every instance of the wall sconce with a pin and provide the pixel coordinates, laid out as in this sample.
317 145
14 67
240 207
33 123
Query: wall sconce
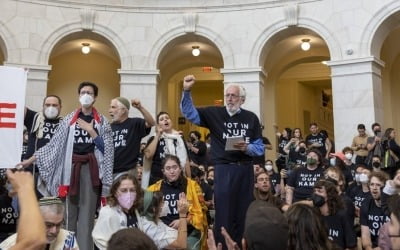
305 44
195 50
85 48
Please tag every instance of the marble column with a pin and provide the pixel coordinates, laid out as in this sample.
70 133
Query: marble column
357 96
252 79
141 84
36 88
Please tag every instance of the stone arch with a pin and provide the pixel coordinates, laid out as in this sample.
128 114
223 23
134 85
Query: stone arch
272 30
222 46
67 29
378 28
8 45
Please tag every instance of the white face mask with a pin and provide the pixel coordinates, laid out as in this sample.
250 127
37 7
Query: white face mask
332 161
268 167
357 177
164 210
51 112
348 156
86 100
363 178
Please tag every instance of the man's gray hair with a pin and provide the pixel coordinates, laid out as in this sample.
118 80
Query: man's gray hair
242 90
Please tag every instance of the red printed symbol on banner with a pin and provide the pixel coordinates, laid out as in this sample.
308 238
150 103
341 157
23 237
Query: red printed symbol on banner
4 114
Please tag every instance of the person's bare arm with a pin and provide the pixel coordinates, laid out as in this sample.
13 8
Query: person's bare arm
31 233
150 150
150 122
289 195
328 147
366 238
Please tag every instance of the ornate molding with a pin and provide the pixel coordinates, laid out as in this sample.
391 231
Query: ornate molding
87 18
190 21
291 14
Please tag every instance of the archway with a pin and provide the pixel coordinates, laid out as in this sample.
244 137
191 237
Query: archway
70 67
384 46
298 84
174 62
3 51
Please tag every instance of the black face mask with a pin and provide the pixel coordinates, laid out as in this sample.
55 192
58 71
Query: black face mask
376 164
376 132
317 200
192 140
302 150
210 181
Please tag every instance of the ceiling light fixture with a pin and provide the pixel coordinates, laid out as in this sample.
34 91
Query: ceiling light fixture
195 50
305 44
85 48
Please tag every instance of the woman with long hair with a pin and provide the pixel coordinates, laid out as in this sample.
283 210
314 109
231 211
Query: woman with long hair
326 198
121 211
166 141
306 229
174 183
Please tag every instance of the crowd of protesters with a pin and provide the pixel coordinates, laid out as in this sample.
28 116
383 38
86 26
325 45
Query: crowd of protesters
111 188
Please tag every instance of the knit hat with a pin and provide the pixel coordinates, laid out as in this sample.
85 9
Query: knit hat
124 101
264 219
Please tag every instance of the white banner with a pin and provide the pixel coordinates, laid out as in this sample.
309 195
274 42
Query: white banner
12 105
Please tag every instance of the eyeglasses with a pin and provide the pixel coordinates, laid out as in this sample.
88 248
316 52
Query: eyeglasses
86 92
232 95
169 168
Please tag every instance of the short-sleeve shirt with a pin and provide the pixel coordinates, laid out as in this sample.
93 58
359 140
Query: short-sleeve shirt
83 142
319 138
340 230
373 217
49 128
127 136
302 180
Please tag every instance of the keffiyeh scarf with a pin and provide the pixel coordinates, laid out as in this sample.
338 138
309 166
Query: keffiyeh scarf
54 160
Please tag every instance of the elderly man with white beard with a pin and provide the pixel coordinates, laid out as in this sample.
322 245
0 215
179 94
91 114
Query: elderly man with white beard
235 139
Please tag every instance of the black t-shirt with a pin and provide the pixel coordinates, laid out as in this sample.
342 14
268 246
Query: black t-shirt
222 125
359 196
297 158
161 150
8 217
340 230
282 141
131 220
83 142
207 190
318 138
127 136
171 197
49 128
373 217
201 157
302 180
275 180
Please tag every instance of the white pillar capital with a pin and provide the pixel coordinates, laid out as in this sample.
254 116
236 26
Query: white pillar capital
36 89
139 84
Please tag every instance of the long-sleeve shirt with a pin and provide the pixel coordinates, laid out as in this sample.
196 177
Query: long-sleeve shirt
222 126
